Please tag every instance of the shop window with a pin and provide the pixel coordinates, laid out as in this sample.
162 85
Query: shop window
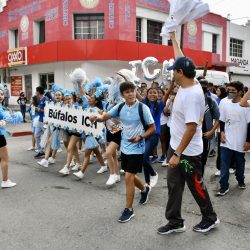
39 32
88 26
138 29
154 31
13 39
214 43
46 80
236 47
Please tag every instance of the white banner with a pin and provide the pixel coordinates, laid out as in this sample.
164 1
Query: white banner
73 119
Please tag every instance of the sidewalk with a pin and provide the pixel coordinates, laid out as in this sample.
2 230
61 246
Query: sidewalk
20 129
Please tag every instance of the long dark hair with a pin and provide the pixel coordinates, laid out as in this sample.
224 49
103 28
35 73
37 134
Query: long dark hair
223 92
156 104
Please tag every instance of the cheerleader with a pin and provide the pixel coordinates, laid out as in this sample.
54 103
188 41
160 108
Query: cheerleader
4 159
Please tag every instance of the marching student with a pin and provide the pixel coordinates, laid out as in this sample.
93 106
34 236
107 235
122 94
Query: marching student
184 154
132 143
4 158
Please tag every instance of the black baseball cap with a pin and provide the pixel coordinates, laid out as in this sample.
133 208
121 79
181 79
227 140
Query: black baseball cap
184 63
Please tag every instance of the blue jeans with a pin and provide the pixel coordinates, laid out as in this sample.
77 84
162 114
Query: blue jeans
39 130
226 157
151 143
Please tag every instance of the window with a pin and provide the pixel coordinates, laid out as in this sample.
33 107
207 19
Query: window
236 47
154 31
13 39
138 29
214 43
89 26
46 80
39 32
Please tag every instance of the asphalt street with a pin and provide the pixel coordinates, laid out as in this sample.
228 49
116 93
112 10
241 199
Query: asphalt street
48 211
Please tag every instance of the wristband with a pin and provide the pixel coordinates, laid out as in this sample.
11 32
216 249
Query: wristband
177 155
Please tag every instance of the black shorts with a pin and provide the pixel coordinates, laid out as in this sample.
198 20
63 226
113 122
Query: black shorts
3 142
132 163
116 137
75 134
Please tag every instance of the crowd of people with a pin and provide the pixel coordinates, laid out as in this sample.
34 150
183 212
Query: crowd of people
190 118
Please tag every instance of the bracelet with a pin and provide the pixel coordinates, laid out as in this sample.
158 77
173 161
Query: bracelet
177 155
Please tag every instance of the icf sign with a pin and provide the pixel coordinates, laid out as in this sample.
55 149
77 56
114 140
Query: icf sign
17 56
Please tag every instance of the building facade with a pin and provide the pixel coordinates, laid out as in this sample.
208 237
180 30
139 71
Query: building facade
42 41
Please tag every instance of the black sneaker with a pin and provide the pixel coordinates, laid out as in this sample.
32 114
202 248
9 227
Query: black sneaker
126 215
168 229
205 226
242 186
144 195
39 155
222 192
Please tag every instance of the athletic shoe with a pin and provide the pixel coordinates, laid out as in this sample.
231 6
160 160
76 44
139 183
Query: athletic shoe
153 180
72 163
36 150
144 195
79 174
43 163
30 149
76 167
154 159
102 169
51 160
126 215
39 155
205 226
64 171
168 229
231 171
122 171
242 186
212 153
162 159
118 178
222 192
8 184
59 150
217 173
111 180
164 164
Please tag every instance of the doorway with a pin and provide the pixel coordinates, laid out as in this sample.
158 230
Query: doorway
28 86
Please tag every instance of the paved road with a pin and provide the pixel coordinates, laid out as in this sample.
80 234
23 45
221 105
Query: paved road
47 211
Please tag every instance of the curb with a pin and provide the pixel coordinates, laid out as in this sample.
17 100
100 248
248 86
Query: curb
23 133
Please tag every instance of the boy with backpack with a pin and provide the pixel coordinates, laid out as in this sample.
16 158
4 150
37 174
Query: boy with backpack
134 116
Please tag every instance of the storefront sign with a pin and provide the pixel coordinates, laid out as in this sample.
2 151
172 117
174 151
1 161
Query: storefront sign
17 56
73 119
65 4
242 62
16 86
111 15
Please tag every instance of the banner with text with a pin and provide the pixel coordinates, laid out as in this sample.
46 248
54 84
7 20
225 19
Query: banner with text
73 119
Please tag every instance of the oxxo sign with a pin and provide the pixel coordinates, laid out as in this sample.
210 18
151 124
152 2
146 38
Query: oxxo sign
17 56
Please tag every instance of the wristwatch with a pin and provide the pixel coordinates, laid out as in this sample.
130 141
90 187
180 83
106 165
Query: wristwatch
177 154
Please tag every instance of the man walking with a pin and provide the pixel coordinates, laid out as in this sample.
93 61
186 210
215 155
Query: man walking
186 147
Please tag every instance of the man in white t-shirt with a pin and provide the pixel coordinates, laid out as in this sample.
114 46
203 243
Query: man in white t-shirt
234 118
186 147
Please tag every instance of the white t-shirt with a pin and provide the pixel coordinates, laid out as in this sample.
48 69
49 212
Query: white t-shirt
236 119
188 107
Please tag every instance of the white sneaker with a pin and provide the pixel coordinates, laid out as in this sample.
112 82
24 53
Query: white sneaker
43 163
231 171
30 149
153 180
111 180
164 164
72 163
118 178
217 173
64 170
51 160
102 169
122 171
59 150
79 174
36 150
8 184
76 167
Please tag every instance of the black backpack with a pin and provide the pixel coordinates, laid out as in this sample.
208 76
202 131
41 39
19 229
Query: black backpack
140 110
